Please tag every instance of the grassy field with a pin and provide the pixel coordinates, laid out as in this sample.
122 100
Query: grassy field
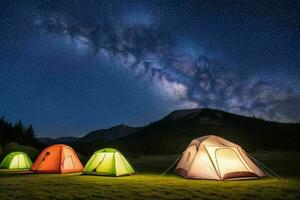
145 185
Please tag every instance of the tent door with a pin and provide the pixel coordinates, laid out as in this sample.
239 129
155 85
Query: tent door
105 166
230 164
68 163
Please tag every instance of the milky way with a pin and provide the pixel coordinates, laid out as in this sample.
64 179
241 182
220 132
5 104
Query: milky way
151 52
72 66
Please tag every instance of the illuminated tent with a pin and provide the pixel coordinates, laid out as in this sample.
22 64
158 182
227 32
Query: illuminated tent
212 157
58 158
108 161
16 160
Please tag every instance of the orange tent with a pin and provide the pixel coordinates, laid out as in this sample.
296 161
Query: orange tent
58 158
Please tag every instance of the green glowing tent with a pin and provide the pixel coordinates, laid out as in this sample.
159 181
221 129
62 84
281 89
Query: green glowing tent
16 160
109 162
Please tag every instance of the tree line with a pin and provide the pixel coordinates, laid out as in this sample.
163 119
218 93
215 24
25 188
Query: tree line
17 132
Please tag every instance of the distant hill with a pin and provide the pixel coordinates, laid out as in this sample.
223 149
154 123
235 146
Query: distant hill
47 140
109 134
67 140
93 140
64 140
175 131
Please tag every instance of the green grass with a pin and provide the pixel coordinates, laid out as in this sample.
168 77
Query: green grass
142 186
152 186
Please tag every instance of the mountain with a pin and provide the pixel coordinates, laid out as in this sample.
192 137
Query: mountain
174 132
67 140
93 138
91 141
60 140
47 140
109 134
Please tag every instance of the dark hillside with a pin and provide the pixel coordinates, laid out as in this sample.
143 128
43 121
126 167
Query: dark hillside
175 131
94 140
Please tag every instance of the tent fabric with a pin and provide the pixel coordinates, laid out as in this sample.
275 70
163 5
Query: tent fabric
212 157
16 160
109 162
58 158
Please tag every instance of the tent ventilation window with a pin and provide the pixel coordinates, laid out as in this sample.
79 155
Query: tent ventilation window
47 154
188 157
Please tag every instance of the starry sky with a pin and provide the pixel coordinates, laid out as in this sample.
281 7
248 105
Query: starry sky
69 67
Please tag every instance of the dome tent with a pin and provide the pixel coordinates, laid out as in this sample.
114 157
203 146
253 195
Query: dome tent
58 158
212 157
109 162
16 160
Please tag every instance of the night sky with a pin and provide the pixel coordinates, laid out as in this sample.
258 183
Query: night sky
69 67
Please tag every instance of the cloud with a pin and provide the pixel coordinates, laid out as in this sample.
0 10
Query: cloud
151 53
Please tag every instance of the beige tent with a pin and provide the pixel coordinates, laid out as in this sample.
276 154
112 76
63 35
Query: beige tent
212 157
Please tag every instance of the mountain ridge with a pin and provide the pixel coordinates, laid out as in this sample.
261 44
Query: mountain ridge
106 134
173 133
